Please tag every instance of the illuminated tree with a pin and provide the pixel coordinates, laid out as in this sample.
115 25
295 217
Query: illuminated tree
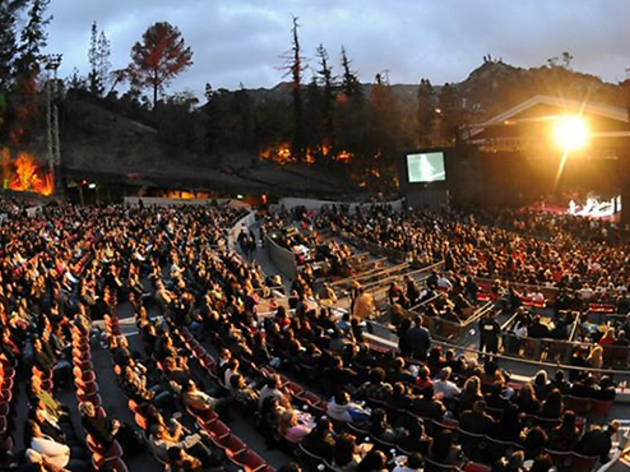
159 57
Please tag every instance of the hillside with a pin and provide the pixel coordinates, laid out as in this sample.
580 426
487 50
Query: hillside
495 86
205 147
113 147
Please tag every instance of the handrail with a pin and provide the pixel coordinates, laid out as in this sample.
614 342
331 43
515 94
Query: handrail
509 321
576 323
412 273
556 365
361 275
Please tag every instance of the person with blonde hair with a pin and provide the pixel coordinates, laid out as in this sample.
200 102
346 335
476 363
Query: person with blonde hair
596 357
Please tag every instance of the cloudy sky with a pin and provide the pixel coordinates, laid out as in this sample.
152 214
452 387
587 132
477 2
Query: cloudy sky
238 41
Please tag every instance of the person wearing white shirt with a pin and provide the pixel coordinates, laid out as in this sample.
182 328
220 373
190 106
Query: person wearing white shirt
53 453
445 387
444 283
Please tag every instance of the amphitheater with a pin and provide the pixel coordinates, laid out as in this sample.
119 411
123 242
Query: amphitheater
330 336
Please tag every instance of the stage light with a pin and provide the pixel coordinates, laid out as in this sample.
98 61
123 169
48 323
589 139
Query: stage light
570 133
92 185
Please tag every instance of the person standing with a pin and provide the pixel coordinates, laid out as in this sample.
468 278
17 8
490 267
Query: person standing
489 331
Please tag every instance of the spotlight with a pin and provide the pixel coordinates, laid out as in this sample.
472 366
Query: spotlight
570 133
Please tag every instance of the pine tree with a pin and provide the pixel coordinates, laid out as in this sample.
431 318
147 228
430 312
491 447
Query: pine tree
103 47
326 81
96 87
350 82
98 55
294 67
9 10
33 39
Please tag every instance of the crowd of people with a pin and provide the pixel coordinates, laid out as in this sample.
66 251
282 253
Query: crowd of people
490 252
66 266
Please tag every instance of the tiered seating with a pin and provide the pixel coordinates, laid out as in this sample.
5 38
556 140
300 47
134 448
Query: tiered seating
6 403
221 436
87 390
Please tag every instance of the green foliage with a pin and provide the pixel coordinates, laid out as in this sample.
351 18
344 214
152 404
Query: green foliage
98 56
9 11
33 39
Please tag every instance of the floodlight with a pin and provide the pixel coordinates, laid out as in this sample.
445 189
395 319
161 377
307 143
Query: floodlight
570 133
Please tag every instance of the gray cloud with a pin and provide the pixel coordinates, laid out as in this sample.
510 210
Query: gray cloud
241 40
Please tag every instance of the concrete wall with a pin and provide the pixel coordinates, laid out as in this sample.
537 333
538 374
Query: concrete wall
315 205
433 199
160 201
282 258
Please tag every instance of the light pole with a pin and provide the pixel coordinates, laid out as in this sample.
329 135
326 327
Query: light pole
52 63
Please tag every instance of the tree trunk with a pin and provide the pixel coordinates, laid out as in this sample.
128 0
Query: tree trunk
155 91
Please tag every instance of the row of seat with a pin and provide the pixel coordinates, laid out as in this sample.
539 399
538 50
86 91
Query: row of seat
6 403
220 434
578 462
103 455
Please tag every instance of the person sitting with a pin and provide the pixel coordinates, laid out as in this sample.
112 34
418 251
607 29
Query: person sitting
272 388
162 440
376 388
541 384
414 463
424 384
511 463
428 407
443 386
470 393
560 383
105 430
346 456
243 393
320 441
374 461
511 424
585 387
54 453
443 448
476 421
379 426
527 401
606 389
598 442
565 436
534 440
542 463
197 400
414 438
495 398
340 408
553 406
180 461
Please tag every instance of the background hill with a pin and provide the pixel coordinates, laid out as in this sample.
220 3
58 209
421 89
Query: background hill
218 144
